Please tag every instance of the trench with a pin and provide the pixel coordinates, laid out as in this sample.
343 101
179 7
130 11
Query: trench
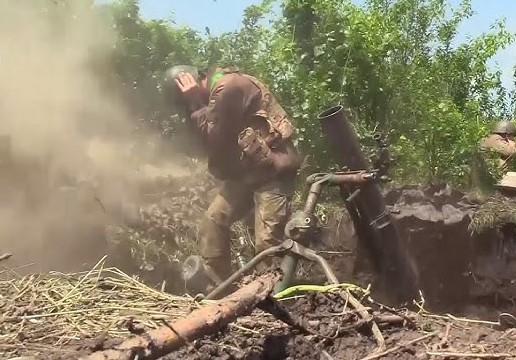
460 271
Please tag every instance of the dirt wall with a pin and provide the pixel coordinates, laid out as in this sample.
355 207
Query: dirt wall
459 270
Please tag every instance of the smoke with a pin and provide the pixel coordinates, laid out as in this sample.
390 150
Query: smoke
66 128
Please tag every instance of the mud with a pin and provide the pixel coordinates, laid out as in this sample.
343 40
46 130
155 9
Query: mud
332 330
338 337
460 271
434 224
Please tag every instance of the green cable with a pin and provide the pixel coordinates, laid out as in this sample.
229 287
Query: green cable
317 288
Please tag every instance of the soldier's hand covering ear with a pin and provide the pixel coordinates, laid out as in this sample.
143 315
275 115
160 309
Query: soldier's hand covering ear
186 83
190 90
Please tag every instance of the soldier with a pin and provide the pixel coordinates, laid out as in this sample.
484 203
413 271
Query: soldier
501 140
248 139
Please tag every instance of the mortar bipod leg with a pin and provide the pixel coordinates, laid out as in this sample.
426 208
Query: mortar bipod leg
326 268
312 255
289 268
251 264
290 261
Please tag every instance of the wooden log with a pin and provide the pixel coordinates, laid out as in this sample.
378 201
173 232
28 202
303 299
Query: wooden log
204 321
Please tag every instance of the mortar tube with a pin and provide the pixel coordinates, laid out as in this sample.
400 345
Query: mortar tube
392 260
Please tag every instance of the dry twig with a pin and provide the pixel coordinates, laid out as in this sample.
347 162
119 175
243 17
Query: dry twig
362 311
444 339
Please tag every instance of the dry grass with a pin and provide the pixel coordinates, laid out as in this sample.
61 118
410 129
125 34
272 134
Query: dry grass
495 212
42 313
49 315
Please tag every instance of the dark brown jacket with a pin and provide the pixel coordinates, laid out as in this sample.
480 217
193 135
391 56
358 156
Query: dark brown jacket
237 102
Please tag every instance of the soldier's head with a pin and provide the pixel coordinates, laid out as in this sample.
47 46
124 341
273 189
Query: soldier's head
505 129
172 92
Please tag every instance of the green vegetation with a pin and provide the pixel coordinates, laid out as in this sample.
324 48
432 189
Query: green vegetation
396 64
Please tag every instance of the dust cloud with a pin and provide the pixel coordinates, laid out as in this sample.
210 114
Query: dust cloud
71 160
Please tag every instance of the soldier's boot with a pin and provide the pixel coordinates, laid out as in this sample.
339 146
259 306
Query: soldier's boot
201 276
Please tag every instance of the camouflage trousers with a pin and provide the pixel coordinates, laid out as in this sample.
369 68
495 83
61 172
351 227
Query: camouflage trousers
271 202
